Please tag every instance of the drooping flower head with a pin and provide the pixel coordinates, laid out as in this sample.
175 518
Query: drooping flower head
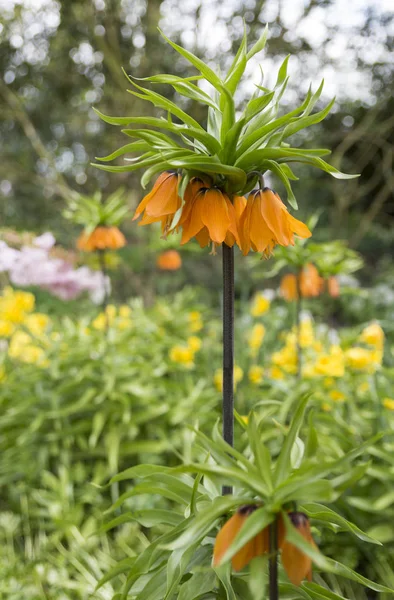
311 284
209 217
101 238
169 261
297 565
288 287
161 204
266 222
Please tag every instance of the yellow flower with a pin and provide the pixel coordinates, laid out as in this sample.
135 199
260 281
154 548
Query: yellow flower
286 359
276 373
110 311
124 323
218 377
124 311
100 322
194 343
337 396
330 365
362 359
326 407
260 305
238 374
6 328
306 334
22 348
195 321
318 346
24 301
256 337
308 370
388 403
256 374
373 335
245 419
37 323
218 380
19 341
182 355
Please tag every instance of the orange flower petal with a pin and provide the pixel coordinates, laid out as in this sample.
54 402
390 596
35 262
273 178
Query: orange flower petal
215 214
297 565
275 215
288 287
298 227
194 223
203 238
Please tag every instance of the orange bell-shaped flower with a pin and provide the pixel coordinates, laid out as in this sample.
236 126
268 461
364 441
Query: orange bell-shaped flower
311 284
257 546
333 287
266 222
209 216
169 261
288 287
101 238
298 565
239 203
161 204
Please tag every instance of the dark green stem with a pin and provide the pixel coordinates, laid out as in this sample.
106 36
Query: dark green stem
228 350
273 561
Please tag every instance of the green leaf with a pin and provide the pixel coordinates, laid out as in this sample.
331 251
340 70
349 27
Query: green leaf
198 63
283 464
259 45
162 102
307 121
326 515
200 583
121 567
323 166
260 451
237 68
132 147
312 443
224 574
278 170
205 520
228 475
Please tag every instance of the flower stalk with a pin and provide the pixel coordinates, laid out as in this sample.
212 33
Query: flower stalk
228 349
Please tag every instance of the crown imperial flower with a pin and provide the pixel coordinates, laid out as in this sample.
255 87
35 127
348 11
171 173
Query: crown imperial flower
266 222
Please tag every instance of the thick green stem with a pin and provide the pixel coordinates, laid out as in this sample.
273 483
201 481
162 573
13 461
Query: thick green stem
228 349
273 561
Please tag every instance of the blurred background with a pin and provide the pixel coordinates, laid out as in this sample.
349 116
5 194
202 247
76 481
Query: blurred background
87 390
59 59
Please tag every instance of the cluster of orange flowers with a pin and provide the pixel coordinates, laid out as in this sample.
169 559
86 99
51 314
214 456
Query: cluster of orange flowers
258 223
297 565
308 284
101 238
